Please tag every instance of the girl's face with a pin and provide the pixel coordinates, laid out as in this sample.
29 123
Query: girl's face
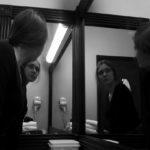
32 70
105 74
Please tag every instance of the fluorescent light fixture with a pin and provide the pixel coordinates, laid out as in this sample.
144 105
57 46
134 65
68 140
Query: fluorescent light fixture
58 37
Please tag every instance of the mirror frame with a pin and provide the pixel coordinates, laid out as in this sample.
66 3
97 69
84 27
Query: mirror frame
117 22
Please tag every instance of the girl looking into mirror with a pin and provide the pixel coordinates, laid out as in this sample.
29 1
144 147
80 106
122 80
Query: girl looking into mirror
118 112
29 73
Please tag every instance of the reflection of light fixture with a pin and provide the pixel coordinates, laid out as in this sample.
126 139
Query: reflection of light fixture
58 37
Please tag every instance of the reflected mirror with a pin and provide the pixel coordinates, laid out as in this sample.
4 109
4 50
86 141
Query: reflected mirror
116 46
37 121
62 93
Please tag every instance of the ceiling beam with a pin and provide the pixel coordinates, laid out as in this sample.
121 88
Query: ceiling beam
84 6
51 15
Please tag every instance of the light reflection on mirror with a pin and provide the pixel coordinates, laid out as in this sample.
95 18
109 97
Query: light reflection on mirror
108 42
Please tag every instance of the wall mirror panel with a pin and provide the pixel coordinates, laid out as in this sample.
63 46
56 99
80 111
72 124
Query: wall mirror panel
44 88
49 114
113 45
61 88
62 92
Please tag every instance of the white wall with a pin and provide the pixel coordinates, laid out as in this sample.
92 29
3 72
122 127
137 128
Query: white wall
62 87
136 8
102 41
54 4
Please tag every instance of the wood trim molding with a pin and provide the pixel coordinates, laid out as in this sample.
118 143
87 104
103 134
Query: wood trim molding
51 15
78 117
129 140
40 142
83 7
113 21
93 143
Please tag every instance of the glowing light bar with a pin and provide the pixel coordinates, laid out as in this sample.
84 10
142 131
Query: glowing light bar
58 37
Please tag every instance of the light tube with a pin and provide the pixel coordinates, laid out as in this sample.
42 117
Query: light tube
58 37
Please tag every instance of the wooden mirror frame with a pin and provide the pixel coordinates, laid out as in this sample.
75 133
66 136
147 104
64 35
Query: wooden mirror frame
117 22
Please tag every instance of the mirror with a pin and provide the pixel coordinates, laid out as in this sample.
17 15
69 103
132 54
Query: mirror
62 93
115 45
61 88
37 117
39 123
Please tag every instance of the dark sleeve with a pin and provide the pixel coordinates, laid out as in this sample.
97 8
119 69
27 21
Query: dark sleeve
124 116
6 75
145 101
